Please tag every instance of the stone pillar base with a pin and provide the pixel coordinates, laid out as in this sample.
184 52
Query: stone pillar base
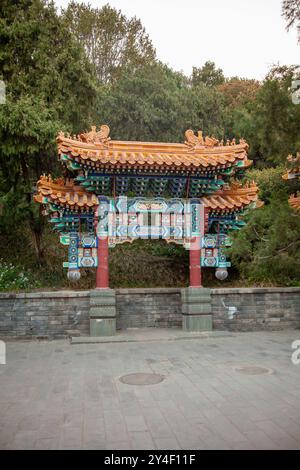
102 312
196 309
197 322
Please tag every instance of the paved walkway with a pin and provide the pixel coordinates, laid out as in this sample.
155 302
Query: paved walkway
148 334
57 395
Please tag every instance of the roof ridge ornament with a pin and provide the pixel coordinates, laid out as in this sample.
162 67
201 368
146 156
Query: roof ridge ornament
198 141
294 160
60 181
94 136
292 167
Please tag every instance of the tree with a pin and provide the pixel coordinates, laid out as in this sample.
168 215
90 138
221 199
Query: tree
208 107
291 13
208 74
267 249
155 103
284 73
111 41
237 94
50 86
270 122
238 91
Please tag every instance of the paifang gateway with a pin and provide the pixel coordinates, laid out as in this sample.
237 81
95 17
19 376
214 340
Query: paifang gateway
118 191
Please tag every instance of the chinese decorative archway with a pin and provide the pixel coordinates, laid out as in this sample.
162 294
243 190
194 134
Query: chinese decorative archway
183 193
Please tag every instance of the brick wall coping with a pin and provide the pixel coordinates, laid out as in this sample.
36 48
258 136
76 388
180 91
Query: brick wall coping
256 290
44 295
148 290
221 291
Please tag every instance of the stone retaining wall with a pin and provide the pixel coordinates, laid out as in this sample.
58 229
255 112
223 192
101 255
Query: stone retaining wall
157 307
56 314
50 314
274 308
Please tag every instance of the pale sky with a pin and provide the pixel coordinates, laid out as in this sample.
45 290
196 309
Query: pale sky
243 37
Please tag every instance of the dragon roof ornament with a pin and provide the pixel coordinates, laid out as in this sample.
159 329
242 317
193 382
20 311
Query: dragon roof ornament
92 137
199 142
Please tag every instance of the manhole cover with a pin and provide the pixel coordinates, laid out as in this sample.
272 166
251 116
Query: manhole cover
142 379
253 370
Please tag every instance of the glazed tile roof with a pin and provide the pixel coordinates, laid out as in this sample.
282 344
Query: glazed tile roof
293 170
294 201
232 198
68 195
96 149
64 193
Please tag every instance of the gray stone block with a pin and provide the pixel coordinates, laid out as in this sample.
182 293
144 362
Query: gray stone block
103 311
105 300
196 300
190 293
197 322
103 327
197 290
102 293
194 309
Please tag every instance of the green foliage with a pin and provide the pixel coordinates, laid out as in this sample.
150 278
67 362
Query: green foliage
238 92
271 122
156 103
111 41
148 263
40 59
15 278
267 249
50 85
209 75
270 182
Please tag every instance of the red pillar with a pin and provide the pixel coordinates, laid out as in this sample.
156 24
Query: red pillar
195 267
102 276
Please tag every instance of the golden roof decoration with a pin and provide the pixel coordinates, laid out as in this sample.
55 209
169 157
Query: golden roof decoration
293 170
93 136
294 201
95 148
198 141
294 160
96 136
64 193
233 197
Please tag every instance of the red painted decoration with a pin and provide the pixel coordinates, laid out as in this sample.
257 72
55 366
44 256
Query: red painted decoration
102 275
195 267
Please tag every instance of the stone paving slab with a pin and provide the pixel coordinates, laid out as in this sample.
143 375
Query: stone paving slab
54 395
148 334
